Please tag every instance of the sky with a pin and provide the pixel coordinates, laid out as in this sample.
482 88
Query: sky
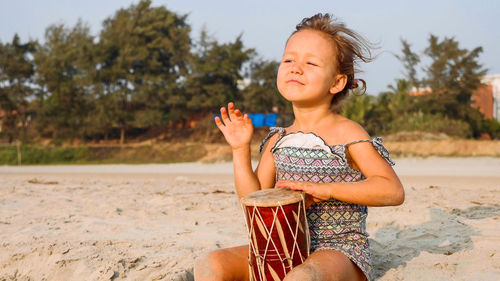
265 25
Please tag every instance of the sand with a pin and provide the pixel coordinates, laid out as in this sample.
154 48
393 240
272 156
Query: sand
150 222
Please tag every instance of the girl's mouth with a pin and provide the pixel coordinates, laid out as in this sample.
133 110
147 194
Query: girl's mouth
296 82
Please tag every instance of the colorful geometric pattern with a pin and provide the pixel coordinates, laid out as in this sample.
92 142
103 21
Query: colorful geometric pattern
333 224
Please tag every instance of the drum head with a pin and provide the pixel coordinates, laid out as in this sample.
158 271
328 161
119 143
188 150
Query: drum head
272 197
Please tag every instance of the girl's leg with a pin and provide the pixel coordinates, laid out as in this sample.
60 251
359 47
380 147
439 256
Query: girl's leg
326 265
223 264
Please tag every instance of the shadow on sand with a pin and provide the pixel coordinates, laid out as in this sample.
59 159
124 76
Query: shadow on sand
443 234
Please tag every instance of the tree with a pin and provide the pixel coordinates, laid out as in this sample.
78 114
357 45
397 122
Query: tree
358 107
410 60
451 76
143 60
215 72
16 86
65 71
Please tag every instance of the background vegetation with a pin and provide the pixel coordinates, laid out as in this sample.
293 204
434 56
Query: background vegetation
144 75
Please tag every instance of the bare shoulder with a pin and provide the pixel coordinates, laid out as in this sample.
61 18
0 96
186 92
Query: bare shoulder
350 130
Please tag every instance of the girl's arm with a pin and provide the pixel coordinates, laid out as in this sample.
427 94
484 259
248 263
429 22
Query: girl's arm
381 187
238 130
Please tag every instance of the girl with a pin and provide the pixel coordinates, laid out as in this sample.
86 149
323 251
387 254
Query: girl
329 157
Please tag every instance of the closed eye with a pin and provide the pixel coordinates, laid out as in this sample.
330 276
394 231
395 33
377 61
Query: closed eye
312 63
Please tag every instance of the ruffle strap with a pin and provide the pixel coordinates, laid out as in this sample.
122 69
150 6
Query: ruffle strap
272 131
377 143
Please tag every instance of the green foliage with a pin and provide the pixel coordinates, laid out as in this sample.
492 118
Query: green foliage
139 72
38 155
358 107
452 76
65 69
431 123
452 70
377 113
410 60
143 57
16 86
491 127
35 155
215 72
144 72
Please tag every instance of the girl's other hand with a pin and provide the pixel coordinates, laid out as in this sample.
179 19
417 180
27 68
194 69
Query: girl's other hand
236 127
316 192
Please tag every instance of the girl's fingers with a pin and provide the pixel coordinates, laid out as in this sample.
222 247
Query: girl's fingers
296 187
237 113
230 114
234 113
247 120
223 114
289 184
280 184
293 185
218 122
230 109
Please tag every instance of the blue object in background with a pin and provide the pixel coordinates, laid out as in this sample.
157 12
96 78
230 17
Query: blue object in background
257 119
270 120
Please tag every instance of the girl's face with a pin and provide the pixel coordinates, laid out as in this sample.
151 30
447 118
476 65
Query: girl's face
307 74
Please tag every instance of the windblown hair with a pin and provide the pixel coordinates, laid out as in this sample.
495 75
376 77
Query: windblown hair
349 47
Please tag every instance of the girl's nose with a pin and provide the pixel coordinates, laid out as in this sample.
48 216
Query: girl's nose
296 68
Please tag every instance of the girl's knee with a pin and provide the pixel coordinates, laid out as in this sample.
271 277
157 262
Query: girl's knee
303 272
208 266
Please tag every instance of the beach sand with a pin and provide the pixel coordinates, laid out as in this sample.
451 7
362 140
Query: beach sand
150 222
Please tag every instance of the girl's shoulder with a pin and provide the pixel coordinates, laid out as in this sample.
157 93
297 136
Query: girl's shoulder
343 131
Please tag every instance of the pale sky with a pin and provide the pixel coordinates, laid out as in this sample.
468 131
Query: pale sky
266 25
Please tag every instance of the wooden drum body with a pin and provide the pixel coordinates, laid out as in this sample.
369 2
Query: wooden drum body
278 232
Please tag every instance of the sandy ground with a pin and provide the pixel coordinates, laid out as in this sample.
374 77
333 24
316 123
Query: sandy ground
149 222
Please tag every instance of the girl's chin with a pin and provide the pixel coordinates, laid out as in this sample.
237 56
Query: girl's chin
292 95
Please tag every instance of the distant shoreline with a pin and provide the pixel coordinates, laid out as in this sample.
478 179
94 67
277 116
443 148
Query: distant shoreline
408 166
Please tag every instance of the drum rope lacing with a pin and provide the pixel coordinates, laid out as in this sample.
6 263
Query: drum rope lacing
267 233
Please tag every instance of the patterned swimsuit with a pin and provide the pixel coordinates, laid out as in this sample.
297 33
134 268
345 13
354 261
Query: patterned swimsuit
333 224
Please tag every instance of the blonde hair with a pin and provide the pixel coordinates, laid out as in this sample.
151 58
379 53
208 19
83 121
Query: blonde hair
349 47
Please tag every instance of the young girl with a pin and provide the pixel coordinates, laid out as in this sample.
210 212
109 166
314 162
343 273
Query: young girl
329 157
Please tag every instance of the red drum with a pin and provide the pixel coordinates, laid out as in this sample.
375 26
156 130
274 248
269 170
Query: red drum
278 232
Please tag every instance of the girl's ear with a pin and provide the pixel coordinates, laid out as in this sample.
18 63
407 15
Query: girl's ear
339 84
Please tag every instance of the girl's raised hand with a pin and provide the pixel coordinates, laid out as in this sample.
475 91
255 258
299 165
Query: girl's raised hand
236 127
316 191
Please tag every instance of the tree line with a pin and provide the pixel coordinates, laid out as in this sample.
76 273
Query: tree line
448 79
143 70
